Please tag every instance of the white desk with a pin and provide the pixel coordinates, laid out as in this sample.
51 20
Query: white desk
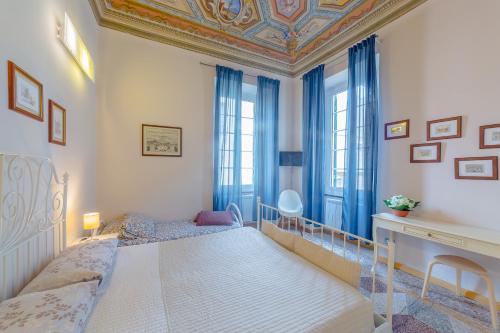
473 239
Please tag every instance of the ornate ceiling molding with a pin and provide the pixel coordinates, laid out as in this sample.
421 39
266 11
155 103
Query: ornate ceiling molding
147 22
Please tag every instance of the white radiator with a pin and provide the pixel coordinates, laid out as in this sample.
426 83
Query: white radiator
333 212
247 206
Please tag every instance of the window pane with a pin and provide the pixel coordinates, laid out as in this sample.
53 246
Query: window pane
339 178
227 176
246 176
247 160
339 159
228 144
342 101
247 142
247 109
247 126
341 120
227 157
340 140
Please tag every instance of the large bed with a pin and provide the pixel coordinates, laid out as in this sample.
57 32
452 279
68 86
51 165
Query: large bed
239 280
236 281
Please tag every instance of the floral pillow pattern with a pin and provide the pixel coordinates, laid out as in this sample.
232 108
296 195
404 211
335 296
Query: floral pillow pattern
59 310
87 261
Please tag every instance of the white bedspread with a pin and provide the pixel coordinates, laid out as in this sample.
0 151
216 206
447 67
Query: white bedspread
234 281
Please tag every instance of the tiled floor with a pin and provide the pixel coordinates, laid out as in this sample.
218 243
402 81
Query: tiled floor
442 312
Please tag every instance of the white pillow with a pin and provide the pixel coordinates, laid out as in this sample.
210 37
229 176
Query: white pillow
87 261
64 309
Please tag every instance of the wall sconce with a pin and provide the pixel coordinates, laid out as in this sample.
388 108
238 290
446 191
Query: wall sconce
70 38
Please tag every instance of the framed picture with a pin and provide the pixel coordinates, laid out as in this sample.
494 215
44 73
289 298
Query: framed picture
446 128
481 168
489 136
57 123
161 141
397 129
425 153
25 93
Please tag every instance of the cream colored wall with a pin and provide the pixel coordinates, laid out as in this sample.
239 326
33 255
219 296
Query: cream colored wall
442 60
29 39
147 82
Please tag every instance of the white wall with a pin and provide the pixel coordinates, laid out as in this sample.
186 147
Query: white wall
437 61
147 82
29 40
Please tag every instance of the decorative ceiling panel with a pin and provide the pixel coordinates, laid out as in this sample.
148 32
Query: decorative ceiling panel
284 36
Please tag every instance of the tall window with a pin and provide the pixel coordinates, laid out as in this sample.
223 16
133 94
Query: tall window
338 142
336 120
247 126
247 123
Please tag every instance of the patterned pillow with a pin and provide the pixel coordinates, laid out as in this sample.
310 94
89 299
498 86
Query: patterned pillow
137 226
112 227
87 261
64 309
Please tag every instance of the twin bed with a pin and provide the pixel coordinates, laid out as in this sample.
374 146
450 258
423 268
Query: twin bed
238 280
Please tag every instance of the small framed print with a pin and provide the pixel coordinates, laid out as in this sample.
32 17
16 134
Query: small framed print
480 168
57 123
397 129
489 136
425 153
161 141
446 128
25 93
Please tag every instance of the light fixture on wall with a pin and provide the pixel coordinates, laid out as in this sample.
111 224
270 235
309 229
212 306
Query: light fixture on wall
70 38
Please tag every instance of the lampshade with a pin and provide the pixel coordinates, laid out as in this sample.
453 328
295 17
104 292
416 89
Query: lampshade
91 221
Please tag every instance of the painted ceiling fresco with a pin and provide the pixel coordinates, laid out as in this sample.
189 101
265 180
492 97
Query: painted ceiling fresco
283 30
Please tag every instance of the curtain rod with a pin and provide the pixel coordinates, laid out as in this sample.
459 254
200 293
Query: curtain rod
208 65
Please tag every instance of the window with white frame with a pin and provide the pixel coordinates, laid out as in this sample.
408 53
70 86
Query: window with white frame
247 128
336 107
247 124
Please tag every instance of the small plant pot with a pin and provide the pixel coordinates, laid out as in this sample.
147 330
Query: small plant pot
400 213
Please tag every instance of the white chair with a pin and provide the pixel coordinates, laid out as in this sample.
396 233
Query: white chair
290 205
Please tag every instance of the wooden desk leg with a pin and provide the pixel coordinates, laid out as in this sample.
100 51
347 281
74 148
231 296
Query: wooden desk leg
375 258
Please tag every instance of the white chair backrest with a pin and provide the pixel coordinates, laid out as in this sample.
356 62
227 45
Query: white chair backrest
289 200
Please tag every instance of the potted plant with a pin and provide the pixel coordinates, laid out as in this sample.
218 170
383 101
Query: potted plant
401 206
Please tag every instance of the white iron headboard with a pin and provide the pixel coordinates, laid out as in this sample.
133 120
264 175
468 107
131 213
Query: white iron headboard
32 219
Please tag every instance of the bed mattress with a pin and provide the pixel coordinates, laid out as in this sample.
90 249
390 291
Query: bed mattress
235 281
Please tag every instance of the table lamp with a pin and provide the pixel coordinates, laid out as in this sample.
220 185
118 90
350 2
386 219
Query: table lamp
91 221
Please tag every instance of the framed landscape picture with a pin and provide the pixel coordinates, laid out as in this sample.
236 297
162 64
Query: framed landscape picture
25 93
480 168
397 129
489 136
446 128
425 153
161 141
57 123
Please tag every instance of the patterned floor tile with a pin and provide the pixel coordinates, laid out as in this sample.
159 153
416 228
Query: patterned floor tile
399 304
409 324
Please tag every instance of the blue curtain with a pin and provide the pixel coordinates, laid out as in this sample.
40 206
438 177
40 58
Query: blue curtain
313 134
266 152
227 138
360 182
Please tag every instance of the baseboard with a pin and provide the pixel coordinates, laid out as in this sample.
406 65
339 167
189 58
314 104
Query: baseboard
450 286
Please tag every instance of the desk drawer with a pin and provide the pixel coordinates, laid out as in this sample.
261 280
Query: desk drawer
433 235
